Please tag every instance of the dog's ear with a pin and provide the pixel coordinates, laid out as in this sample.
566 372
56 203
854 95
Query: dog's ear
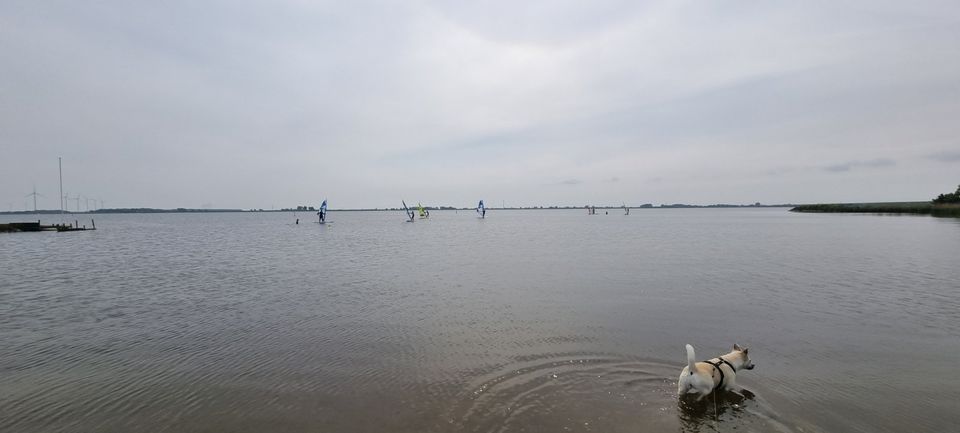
737 347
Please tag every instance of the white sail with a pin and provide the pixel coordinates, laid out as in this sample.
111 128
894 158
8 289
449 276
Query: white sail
322 213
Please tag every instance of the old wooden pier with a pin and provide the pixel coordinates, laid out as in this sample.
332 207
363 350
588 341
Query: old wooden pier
37 227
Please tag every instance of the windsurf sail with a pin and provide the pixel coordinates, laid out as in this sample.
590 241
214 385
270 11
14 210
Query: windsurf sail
626 210
322 213
481 210
407 210
423 212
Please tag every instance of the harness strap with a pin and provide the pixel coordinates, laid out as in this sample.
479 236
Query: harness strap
716 366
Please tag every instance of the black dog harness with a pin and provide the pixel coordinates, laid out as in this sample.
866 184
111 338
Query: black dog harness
716 365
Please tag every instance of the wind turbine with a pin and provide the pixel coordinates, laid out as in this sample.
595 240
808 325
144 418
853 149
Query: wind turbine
35 194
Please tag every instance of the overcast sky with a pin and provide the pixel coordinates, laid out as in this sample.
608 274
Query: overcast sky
236 104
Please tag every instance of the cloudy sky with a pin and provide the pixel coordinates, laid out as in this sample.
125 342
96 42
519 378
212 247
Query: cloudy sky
277 103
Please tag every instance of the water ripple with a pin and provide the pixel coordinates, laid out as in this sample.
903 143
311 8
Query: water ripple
527 321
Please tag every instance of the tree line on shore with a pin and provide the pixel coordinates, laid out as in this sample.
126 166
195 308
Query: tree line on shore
953 197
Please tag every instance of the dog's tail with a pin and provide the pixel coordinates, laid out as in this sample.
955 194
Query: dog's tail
691 359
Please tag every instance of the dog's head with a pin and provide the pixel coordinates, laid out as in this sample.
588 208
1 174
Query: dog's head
743 352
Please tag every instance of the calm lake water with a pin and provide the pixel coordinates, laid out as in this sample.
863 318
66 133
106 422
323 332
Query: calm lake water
530 321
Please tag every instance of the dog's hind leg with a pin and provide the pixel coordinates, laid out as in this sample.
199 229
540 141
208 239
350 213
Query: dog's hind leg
701 388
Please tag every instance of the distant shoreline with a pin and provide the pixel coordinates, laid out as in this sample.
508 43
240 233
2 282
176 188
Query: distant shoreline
908 207
186 210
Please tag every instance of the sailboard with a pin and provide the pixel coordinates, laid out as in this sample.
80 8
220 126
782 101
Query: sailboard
408 211
423 212
481 210
322 213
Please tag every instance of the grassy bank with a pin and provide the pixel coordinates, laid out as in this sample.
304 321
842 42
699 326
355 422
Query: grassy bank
908 207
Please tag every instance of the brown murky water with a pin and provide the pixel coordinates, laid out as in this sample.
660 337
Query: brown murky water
526 321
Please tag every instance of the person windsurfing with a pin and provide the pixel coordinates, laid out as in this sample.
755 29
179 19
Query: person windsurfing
323 211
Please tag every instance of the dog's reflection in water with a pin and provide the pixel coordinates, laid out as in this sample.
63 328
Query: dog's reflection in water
703 415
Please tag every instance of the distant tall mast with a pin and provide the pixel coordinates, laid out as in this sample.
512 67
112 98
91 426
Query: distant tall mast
60 164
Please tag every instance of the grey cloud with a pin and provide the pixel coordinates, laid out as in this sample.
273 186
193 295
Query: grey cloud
945 156
780 171
249 104
850 165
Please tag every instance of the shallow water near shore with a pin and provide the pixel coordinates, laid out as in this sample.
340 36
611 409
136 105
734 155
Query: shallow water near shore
523 321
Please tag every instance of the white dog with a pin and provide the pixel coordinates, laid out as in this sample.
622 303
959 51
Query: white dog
702 378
